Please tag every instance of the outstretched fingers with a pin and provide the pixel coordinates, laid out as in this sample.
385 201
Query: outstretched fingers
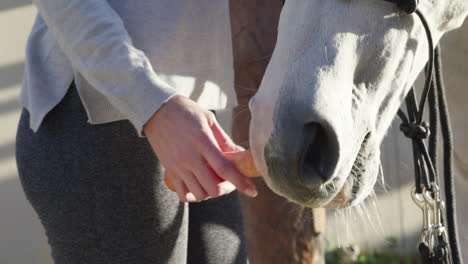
213 185
225 170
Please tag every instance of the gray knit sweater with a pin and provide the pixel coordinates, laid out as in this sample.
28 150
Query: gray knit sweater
128 57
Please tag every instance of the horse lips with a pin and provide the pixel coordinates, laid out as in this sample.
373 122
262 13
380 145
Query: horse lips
242 160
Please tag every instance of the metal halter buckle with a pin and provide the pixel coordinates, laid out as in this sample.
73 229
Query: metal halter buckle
438 231
434 233
420 200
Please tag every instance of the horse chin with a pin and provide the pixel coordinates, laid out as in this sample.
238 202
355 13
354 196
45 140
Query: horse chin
355 189
358 185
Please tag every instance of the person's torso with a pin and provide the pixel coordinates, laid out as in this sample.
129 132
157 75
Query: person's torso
188 43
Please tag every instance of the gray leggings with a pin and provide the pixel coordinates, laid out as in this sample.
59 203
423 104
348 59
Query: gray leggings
99 193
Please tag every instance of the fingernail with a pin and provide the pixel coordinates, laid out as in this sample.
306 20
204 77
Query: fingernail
251 191
190 197
240 148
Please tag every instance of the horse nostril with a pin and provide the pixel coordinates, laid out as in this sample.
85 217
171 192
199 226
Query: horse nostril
313 157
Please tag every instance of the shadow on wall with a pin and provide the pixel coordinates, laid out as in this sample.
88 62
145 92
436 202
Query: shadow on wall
12 74
9 4
6 150
9 106
22 237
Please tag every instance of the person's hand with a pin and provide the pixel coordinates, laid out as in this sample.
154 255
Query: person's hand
189 143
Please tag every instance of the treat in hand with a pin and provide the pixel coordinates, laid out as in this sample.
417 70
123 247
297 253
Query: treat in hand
242 160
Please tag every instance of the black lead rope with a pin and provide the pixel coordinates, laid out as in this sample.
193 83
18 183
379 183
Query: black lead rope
438 245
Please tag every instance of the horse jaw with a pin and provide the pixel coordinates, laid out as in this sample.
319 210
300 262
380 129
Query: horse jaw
342 68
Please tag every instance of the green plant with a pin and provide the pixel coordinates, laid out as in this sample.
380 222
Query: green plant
387 255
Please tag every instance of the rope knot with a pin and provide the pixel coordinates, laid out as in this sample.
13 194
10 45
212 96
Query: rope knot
415 131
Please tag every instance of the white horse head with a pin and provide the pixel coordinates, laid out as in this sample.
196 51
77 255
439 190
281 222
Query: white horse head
339 72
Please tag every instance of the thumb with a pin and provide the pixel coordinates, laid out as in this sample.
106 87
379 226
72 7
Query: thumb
224 141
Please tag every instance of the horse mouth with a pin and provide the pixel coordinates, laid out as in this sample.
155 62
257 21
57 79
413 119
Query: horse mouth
353 184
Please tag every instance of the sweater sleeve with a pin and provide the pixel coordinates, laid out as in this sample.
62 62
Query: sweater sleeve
93 37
